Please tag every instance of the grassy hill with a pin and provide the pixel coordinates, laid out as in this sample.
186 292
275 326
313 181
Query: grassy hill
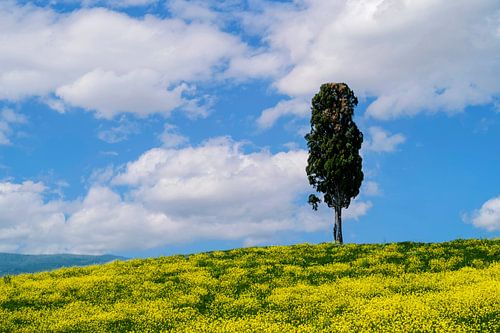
21 263
401 287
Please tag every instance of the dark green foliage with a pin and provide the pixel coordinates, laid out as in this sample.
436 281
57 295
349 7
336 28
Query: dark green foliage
334 166
7 279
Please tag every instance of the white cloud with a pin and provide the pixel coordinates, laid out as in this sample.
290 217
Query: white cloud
412 56
296 107
371 188
382 141
119 133
26 221
140 92
55 104
7 118
291 145
122 3
259 65
108 62
101 176
488 216
101 222
215 12
218 191
212 191
171 138
193 10
105 222
357 209
110 3
218 179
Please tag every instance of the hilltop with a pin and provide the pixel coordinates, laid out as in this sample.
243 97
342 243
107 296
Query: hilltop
400 287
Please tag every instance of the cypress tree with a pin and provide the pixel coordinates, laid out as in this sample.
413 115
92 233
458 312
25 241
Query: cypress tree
334 165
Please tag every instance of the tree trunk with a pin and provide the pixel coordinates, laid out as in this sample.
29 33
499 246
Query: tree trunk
337 227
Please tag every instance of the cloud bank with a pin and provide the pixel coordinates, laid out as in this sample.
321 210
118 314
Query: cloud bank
212 191
107 62
411 56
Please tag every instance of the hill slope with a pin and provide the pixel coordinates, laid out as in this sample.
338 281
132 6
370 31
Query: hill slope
21 263
402 287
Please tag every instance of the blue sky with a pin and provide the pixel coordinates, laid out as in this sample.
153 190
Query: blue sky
149 127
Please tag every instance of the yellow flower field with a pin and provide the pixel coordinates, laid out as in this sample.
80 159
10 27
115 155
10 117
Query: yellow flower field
400 287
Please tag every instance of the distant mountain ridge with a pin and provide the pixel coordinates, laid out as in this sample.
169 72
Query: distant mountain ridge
11 263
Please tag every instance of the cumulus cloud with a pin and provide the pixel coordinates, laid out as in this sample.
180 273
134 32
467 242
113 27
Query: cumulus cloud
382 141
217 181
411 56
258 65
297 107
27 222
140 92
92 3
212 191
488 216
108 62
104 221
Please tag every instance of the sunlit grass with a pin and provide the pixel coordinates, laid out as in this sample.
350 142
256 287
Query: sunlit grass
402 287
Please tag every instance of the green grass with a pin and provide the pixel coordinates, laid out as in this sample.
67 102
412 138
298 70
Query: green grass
401 287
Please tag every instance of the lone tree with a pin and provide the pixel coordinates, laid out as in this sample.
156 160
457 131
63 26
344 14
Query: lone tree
334 163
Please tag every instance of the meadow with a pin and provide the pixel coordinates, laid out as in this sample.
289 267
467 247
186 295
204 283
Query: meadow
398 287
